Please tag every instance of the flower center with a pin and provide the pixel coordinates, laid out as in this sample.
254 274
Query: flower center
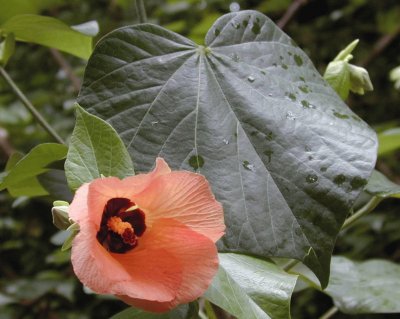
121 225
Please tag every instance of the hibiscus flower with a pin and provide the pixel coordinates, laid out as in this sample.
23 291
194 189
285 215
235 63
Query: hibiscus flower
149 239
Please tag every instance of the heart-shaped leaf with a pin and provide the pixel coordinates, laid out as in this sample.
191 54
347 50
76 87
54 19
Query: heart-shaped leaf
95 150
248 287
283 153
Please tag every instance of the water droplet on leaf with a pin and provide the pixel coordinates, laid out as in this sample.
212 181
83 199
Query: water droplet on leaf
256 29
217 32
290 116
251 78
312 178
358 182
339 179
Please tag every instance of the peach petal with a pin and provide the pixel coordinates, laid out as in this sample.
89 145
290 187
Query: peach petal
90 198
136 274
186 197
197 255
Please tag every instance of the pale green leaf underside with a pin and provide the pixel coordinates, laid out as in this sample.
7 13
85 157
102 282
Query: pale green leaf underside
248 288
389 141
49 32
252 114
95 150
365 287
379 185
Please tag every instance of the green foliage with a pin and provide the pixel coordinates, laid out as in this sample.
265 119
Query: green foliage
248 287
389 141
379 185
245 97
95 150
364 287
7 47
49 32
21 177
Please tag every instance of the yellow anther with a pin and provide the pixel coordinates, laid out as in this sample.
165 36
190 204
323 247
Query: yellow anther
118 226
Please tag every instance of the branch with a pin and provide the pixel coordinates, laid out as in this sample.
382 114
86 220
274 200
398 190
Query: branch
29 106
290 12
141 11
380 46
66 67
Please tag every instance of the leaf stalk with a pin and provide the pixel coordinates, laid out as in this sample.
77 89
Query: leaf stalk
141 11
39 118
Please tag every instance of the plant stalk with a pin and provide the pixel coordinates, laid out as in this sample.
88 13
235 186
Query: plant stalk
29 106
329 313
141 11
367 208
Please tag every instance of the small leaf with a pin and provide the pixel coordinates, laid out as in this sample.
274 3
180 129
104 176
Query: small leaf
95 149
60 217
395 77
379 185
49 32
345 77
364 287
389 141
73 229
7 47
248 287
21 179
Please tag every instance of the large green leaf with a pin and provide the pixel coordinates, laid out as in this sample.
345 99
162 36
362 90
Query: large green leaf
248 287
49 32
379 185
95 149
21 178
365 287
283 153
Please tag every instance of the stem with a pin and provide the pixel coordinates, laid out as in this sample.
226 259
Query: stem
367 208
290 264
329 313
29 106
58 57
141 11
290 12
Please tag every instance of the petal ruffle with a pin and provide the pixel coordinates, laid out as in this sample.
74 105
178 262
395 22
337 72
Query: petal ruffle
185 197
197 256
90 199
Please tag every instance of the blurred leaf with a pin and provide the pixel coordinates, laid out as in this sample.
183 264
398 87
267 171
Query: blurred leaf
389 141
55 183
7 47
73 230
90 28
22 180
181 312
95 149
60 217
395 77
287 164
364 287
13 160
49 32
16 7
345 77
248 287
379 185
388 21
201 28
